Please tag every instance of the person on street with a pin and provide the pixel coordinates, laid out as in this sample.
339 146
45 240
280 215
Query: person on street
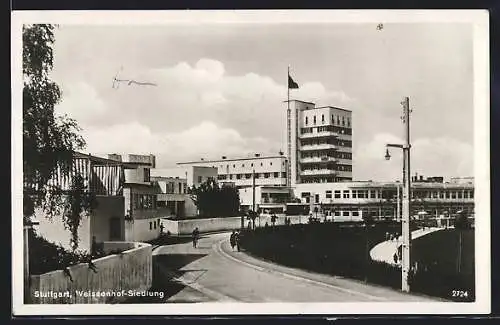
237 240
196 236
232 239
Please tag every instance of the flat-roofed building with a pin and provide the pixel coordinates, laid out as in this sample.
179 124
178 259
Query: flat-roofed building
239 171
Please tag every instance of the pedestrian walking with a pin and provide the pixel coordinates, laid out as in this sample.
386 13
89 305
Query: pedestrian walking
232 239
196 236
237 239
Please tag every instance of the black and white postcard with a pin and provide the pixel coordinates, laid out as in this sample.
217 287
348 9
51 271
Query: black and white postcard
250 162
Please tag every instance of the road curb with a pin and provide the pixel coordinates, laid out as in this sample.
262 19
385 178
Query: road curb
295 277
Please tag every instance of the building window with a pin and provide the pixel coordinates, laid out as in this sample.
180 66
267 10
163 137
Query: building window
314 119
271 163
150 225
362 194
471 194
322 118
238 176
348 122
447 194
459 194
328 194
337 194
283 174
230 176
345 213
146 175
180 187
266 175
336 213
234 166
242 165
154 224
333 119
338 120
248 176
276 175
346 194
354 194
355 213
307 120
200 179
251 165
453 195
373 194
441 195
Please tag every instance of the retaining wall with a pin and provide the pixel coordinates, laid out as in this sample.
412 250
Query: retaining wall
115 277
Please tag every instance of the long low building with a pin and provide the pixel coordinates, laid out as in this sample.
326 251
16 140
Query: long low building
267 170
352 200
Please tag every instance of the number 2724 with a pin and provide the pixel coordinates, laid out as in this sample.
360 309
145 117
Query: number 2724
459 293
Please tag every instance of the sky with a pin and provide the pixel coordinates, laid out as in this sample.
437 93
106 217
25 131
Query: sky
220 89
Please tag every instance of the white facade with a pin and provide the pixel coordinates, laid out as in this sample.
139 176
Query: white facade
319 143
173 199
268 170
266 198
350 200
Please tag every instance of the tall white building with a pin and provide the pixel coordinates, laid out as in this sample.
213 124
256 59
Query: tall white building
319 143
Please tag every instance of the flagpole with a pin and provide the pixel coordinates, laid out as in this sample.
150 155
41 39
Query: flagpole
289 169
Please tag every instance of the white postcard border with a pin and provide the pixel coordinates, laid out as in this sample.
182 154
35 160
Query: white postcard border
479 18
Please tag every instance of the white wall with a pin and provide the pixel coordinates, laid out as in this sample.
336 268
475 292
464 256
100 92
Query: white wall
194 172
135 176
55 232
139 230
95 225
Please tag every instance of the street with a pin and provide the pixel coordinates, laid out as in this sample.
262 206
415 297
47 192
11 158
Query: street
213 272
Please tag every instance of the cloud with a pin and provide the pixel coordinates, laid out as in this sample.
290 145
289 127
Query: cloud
317 93
81 101
441 156
205 140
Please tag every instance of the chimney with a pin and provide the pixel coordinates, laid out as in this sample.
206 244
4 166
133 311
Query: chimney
281 153
257 155
421 178
202 159
224 157
114 156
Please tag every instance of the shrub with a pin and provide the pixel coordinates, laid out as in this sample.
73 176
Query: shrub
45 256
342 249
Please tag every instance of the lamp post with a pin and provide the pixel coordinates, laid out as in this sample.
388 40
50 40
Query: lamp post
405 220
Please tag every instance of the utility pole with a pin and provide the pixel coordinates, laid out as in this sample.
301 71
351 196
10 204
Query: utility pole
253 195
406 263
405 219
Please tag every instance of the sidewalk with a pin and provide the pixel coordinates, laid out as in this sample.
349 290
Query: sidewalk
384 251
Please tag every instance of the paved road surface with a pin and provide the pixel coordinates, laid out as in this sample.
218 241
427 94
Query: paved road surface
384 251
213 272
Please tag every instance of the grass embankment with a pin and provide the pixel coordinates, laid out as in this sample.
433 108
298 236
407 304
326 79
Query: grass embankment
343 250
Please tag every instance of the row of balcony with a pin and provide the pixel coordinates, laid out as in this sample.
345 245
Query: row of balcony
309 172
323 146
324 159
322 134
